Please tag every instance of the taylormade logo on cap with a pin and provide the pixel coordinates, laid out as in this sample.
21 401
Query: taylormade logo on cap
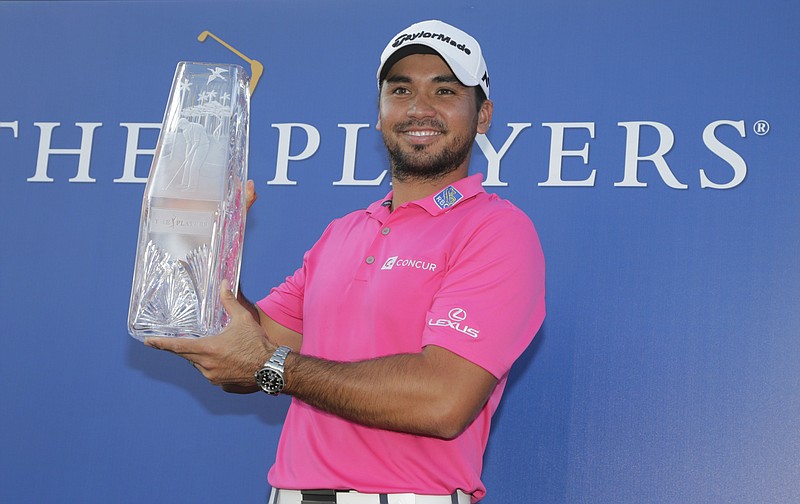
458 49
424 34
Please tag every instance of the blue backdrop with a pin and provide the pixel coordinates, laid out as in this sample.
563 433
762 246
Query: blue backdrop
652 143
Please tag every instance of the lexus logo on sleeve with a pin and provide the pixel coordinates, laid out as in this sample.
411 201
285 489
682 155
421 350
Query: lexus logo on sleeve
456 320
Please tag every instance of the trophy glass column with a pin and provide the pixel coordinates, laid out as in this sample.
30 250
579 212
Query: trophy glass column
193 210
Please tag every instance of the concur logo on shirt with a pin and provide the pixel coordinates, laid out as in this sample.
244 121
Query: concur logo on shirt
447 197
456 320
397 262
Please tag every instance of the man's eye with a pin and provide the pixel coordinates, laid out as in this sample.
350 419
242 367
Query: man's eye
446 91
400 91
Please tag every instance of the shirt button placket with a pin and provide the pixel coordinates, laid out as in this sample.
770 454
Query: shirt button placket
371 259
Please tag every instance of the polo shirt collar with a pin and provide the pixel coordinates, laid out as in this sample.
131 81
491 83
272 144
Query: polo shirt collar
439 203
452 195
380 208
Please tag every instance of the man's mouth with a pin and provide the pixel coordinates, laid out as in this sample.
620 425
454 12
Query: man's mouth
421 128
422 133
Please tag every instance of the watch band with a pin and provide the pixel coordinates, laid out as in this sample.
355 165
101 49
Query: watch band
270 377
279 357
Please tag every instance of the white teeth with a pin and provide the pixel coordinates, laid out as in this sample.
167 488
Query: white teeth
422 133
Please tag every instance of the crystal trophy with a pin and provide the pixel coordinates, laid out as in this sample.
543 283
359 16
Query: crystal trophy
193 211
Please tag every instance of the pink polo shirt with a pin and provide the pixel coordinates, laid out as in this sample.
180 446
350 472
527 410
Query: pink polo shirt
462 270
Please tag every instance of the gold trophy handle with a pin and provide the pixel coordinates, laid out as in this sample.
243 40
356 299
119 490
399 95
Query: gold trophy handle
256 67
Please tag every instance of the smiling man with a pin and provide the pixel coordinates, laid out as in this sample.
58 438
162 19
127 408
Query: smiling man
429 120
397 357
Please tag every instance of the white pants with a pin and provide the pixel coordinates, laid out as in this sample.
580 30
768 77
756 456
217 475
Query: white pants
353 497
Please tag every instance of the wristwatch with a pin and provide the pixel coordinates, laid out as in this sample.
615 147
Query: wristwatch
270 377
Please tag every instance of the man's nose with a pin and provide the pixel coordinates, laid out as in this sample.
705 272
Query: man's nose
421 107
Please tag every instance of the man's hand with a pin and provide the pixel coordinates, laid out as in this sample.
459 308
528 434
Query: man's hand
230 358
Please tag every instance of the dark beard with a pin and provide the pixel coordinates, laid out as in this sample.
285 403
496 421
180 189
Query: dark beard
418 166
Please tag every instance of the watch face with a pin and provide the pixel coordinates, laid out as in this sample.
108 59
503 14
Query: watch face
270 381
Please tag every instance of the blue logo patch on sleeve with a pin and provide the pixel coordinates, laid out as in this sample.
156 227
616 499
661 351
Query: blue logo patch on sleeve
448 197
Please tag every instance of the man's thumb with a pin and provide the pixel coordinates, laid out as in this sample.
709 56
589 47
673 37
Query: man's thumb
229 301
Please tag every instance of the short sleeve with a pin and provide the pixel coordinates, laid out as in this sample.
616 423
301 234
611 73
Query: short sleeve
492 300
284 304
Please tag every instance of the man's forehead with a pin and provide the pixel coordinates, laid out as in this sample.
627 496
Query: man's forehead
429 67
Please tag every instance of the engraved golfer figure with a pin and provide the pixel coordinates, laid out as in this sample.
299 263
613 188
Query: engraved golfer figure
196 150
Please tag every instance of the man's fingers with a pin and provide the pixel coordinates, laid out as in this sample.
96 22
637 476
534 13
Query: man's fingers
182 346
250 194
159 343
194 350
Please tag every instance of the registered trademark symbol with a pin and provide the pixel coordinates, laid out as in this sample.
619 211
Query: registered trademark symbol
761 127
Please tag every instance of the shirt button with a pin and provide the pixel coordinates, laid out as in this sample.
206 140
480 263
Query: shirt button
370 260
385 231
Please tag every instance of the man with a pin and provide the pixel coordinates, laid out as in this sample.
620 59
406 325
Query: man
396 336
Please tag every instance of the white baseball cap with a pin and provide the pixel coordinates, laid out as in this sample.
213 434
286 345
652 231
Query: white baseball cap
458 49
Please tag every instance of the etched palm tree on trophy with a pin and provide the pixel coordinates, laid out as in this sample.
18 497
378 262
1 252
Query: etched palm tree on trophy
192 224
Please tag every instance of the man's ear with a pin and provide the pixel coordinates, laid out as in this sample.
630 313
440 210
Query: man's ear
380 93
485 116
